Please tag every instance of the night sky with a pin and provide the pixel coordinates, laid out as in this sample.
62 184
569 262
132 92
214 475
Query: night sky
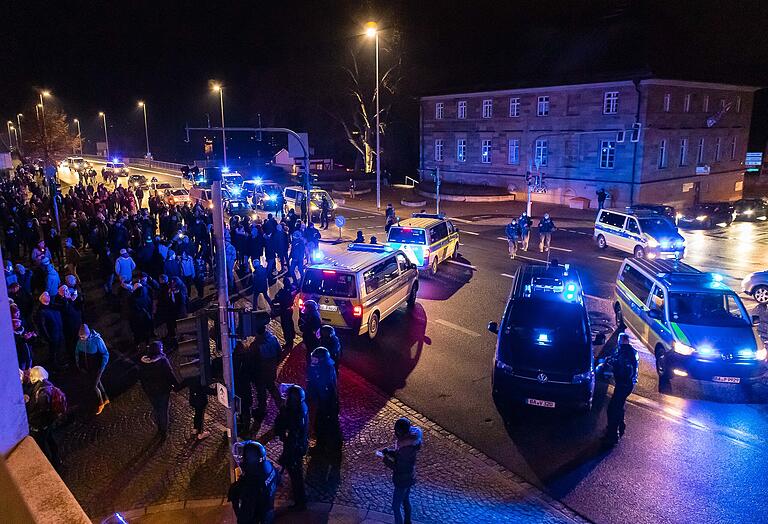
283 59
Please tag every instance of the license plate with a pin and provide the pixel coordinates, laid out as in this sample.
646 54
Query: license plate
541 403
326 307
727 380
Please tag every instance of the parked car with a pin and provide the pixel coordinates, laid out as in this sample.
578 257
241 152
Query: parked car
161 186
756 285
202 195
138 181
750 209
667 211
706 216
176 196
115 168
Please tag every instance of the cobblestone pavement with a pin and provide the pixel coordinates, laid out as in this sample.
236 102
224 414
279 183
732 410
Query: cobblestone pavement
113 462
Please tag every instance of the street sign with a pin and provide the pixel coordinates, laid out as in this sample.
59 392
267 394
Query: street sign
754 159
340 221
221 395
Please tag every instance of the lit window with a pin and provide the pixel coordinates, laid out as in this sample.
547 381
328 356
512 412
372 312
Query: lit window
607 154
439 110
513 155
487 108
700 152
514 107
733 148
611 102
683 151
705 103
662 154
542 106
718 153
687 103
485 152
667 102
439 150
542 152
461 150
462 109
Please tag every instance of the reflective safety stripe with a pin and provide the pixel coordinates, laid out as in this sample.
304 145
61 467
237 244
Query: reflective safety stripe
619 233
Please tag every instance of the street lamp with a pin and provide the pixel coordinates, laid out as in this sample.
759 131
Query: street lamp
9 125
44 94
372 31
217 88
146 129
106 135
79 136
18 120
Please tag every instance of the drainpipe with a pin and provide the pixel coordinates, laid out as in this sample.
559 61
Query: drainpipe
421 139
636 83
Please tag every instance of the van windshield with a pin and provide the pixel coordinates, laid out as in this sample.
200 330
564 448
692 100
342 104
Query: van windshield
658 227
707 309
546 335
406 235
329 283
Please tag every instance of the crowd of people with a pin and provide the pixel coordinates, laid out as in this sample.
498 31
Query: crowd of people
148 259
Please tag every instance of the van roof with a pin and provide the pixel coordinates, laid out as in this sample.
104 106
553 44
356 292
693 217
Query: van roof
419 222
545 282
355 259
677 276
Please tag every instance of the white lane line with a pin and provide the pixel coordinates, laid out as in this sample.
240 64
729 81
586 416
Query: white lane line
577 232
461 244
462 264
502 238
508 276
461 220
457 327
468 232
611 259
531 259
561 249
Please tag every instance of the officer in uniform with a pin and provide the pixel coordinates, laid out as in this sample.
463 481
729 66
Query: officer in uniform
253 494
624 362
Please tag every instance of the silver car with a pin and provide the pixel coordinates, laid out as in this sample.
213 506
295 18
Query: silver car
756 285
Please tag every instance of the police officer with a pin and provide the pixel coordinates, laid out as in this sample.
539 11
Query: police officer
513 235
624 363
253 494
546 226
325 210
525 223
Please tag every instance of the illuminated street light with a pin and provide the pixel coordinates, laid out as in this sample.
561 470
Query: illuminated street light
146 128
9 125
44 94
79 136
372 31
106 135
217 88
18 121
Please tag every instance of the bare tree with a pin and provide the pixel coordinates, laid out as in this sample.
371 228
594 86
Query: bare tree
53 140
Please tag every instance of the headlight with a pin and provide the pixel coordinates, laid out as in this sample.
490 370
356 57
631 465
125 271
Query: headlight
267 198
701 218
761 354
678 216
581 378
747 212
313 206
335 205
683 349
652 242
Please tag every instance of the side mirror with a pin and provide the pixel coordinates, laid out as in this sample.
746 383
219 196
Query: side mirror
654 314
493 327
755 320
599 339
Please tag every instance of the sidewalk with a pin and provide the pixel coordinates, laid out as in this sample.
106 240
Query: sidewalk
114 463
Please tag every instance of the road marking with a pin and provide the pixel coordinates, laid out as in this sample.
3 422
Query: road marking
531 259
577 232
462 264
503 238
560 249
611 259
508 276
468 232
460 220
457 327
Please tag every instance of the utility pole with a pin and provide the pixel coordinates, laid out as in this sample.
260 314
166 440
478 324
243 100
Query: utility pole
226 329
437 187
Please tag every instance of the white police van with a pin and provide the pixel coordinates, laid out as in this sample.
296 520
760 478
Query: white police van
640 233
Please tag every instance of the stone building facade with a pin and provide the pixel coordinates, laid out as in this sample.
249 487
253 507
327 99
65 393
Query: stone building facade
643 140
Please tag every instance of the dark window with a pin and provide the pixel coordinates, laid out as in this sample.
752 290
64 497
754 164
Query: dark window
632 226
403 262
612 219
657 300
406 235
381 274
636 282
438 232
329 283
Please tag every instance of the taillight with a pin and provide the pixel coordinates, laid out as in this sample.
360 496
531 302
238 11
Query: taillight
357 311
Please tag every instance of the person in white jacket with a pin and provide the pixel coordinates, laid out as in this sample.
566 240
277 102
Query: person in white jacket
124 266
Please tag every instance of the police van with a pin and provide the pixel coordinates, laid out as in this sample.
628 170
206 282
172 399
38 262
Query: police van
640 233
427 239
544 356
359 288
694 325
292 195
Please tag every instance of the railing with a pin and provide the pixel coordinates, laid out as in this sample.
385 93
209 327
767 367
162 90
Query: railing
413 181
148 162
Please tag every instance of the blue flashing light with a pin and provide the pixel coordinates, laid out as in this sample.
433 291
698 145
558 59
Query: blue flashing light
115 160
571 287
705 351
236 190
543 338
717 277
225 169
258 181
569 296
267 198
746 353
317 256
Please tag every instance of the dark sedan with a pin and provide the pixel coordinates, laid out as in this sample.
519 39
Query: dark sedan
667 211
706 216
750 209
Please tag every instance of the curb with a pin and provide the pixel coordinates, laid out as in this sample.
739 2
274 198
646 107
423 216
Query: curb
469 198
411 203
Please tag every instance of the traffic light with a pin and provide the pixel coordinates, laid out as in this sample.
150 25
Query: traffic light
211 174
250 321
195 344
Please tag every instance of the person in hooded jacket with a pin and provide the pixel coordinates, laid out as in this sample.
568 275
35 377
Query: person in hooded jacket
401 459
624 362
40 413
21 337
266 350
92 356
198 400
158 380
292 428
283 302
51 327
71 318
323 397
253 494
140 318
310 323
330 341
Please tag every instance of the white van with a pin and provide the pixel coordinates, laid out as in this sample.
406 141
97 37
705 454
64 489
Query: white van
642 234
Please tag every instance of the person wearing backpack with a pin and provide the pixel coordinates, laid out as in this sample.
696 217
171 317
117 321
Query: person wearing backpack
45 404
624 362
253 494
91 356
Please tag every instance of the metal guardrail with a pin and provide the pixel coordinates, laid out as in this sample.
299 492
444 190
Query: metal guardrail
147 162
413 181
